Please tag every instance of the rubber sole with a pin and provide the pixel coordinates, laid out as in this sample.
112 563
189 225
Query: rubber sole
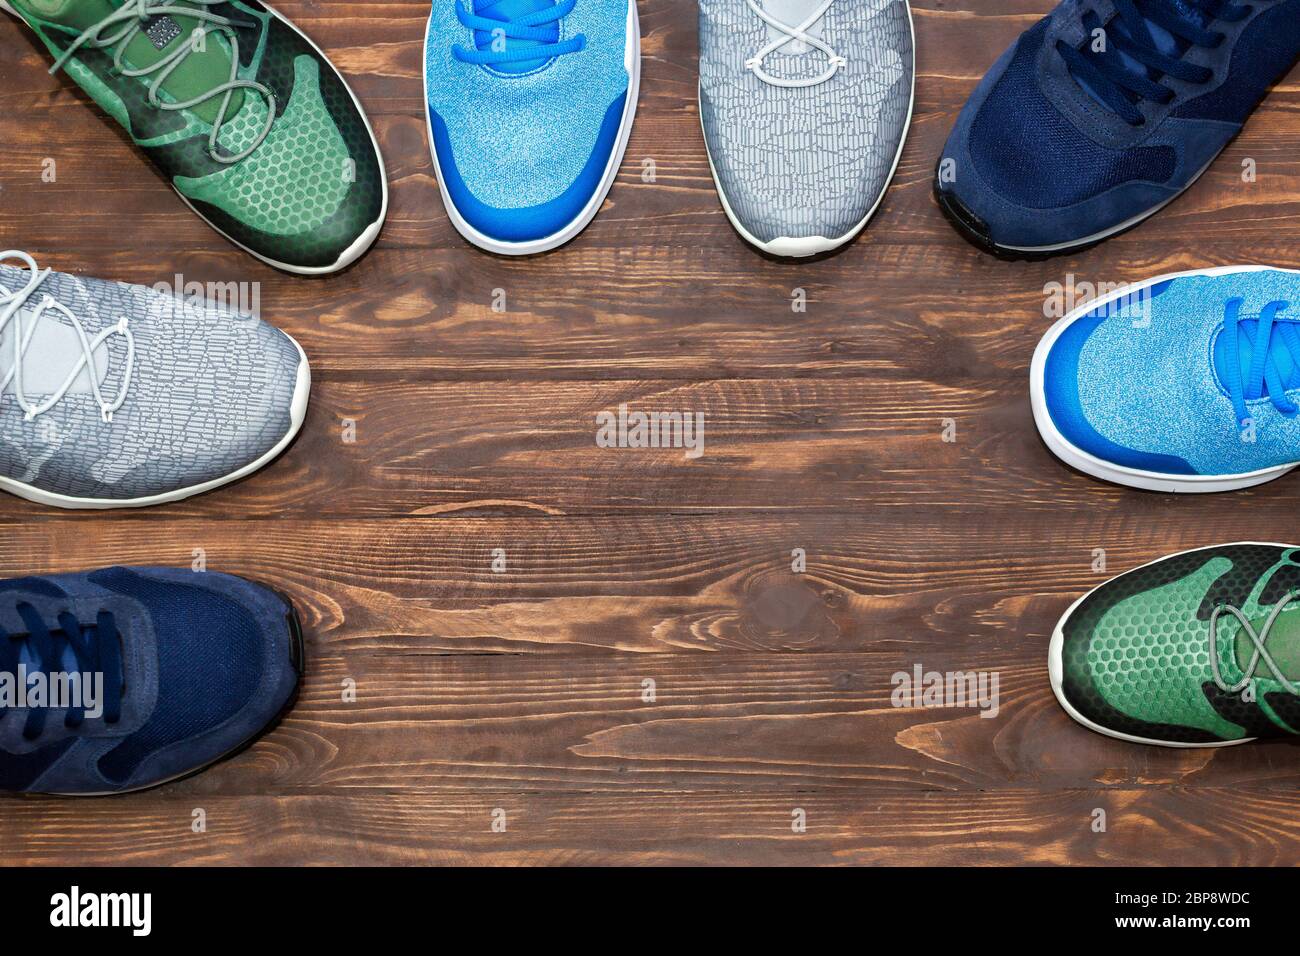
297 654
801 247
1089 464
297 415
1056 669
975 231
368 236
632 62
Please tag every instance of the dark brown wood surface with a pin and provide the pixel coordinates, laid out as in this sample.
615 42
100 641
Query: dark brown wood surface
521 692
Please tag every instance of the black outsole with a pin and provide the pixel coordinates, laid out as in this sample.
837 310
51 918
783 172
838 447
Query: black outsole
971 228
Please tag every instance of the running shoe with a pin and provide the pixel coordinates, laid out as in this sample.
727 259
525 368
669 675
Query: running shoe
1102 113
805 106
242 114
1187 382
126 678
116 396
1199 649
530 103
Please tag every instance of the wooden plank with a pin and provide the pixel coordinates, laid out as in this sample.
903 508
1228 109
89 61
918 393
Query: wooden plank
686 584
1213 827
799 445
484 723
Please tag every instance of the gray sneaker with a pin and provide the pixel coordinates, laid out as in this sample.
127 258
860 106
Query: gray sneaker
805 106
117 396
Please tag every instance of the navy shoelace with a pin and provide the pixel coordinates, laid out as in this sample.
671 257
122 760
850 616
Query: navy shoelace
95 648
494 29
1146 41
1271 343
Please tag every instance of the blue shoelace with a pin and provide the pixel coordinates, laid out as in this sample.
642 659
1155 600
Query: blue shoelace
541 29
1274 354
1145 41
96 648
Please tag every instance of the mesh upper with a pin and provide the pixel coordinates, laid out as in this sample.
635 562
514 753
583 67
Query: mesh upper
1020 143
307 193
209 660
211 391
1263 53
811 161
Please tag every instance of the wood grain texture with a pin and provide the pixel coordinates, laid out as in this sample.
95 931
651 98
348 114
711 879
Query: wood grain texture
474 430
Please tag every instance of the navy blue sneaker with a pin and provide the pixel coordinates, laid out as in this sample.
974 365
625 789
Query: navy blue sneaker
126 678
1104 112
530 106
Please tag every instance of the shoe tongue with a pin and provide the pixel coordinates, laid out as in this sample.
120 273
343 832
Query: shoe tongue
1282 642
78 14
1247 340
161 36
505 10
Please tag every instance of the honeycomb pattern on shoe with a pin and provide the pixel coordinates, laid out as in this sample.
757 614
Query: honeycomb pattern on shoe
295 181
291 201
1134 650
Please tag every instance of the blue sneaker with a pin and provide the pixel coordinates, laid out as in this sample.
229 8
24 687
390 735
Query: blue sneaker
530 104
1184 383
175 671
1062 146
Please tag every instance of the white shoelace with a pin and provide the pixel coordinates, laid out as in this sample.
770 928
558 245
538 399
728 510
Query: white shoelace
791 34
12 304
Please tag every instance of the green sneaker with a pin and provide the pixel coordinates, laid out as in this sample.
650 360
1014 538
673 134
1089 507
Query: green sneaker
249 121
1199 649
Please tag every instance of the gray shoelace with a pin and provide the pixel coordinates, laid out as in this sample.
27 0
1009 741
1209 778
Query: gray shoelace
132 18
11 309
1258 639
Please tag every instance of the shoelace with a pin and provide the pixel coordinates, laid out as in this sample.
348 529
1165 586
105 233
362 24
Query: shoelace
1273 334
1121 86
132 17
11 307
792 33
96 649
1259 640
538 26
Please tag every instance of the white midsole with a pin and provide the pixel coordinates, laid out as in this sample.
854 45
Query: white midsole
1076 457
632 61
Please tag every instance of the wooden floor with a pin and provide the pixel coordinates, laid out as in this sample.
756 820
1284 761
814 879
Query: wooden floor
521 695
